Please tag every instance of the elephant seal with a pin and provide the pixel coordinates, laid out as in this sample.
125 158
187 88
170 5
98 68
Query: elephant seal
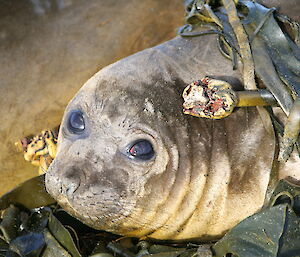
130 162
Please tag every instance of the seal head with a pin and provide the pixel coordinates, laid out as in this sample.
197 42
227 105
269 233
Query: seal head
130 162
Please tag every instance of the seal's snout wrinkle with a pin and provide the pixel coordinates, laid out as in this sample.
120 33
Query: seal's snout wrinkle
186 178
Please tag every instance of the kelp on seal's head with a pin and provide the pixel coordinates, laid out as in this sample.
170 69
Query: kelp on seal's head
118 151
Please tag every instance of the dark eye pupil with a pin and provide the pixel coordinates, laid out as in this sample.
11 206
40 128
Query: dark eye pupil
142 150
76 122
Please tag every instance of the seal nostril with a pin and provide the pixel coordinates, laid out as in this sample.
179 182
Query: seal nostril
70 188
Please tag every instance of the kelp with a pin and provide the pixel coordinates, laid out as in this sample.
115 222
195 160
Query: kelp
49 231
40 198
276 56
273 232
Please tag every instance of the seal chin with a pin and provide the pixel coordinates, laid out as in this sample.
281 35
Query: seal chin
103 216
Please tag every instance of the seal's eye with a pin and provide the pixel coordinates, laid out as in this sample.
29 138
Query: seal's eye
76 122
142 150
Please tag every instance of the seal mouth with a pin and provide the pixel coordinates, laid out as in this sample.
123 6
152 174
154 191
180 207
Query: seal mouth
99 215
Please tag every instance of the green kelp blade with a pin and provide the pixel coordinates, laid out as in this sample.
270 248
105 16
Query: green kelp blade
255 236
279 50
195 253
119 249
156 248
62 235
31 194
4 247
101 255
10 223
266 71
165 254
53 248
286 192
289 245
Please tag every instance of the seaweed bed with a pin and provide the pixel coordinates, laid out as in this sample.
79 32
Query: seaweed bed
32 224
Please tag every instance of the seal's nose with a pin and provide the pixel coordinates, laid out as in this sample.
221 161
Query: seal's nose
64 182
70 182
